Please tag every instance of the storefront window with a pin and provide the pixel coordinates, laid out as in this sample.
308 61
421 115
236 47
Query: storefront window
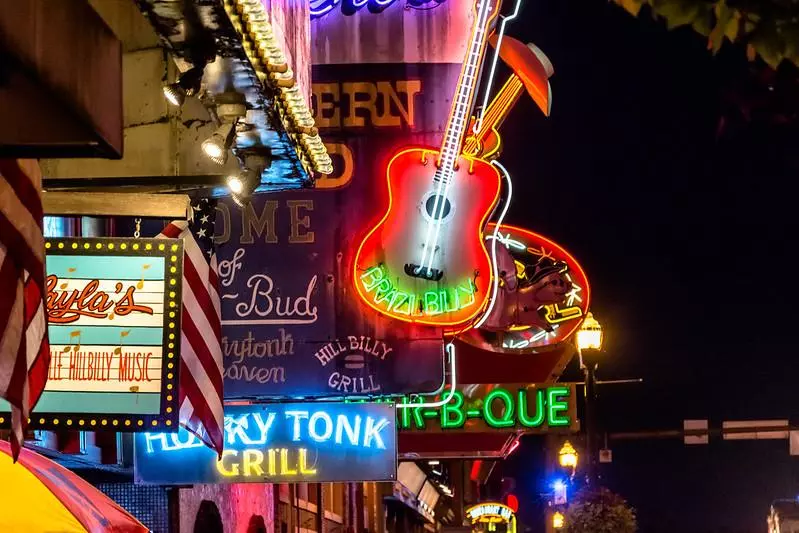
334 501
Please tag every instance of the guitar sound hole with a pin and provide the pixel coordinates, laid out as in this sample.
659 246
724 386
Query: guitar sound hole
443 211
415 271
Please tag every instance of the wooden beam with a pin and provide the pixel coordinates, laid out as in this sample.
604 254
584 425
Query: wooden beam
116 204
64 71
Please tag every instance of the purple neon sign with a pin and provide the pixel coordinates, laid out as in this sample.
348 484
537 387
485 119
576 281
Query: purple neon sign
320 8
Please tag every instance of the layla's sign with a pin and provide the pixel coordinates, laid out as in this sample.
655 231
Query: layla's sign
290 324
292 442
113 312
534 410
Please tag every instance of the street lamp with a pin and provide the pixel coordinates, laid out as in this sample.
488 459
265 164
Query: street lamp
589 342
567 456
589 336
557 520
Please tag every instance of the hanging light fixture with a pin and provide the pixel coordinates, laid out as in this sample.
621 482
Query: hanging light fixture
217 145
242 184
187 85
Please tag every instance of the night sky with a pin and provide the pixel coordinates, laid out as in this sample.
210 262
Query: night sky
687 234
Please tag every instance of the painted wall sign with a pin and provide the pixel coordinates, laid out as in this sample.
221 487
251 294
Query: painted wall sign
290 323
113 311
292 442
535 410
543 298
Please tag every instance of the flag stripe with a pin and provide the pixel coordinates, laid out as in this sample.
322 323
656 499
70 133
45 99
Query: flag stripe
199 359
211 422
9 344
201 303
19 246
201 384
24 349
23 187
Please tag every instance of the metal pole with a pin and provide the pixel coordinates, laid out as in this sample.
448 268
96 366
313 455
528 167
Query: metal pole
590 421
711 432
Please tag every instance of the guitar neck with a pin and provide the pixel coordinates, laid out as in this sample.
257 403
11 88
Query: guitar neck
498 110
494 115
464 96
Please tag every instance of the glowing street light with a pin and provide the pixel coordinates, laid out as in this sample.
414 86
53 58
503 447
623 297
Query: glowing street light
558 520
567 456
589 342
589 336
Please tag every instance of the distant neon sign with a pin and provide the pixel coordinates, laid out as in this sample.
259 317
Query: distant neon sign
501 408
278 442
492 514
320 8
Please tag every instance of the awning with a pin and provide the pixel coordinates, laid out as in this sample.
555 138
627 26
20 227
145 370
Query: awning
38 495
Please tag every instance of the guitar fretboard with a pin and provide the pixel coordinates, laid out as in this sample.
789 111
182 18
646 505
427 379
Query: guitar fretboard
461 109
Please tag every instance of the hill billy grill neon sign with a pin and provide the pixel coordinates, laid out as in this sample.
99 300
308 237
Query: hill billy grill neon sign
501 408
320 8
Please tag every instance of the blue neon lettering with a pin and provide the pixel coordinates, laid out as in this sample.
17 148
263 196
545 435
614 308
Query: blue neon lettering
321 427
373 432
237 427
191 441
312 426
263 427
297 415
320 8
353 430
150 437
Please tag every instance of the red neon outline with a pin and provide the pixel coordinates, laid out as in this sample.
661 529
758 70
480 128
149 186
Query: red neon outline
569 256
497 110
478 308
492 16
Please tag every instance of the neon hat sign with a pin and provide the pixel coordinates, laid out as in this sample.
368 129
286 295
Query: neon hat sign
320 8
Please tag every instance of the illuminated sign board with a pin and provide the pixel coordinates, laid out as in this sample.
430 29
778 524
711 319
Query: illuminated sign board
528 315
113 312
271 443
492 514
320 8
291 327
530 409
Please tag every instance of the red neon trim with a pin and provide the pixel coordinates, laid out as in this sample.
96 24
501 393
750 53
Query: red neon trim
572 262
474 475
431 322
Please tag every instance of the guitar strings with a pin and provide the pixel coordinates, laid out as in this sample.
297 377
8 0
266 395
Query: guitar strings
442 198
478 125
472 146
426 248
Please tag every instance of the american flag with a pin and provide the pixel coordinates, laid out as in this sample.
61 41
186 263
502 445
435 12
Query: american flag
24 349
200 391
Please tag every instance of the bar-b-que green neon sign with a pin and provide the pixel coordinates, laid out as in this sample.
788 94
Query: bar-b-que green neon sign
501 408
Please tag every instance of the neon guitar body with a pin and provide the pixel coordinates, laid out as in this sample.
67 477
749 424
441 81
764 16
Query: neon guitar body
452 286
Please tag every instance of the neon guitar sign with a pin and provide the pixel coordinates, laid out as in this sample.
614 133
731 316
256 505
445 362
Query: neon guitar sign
425 261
